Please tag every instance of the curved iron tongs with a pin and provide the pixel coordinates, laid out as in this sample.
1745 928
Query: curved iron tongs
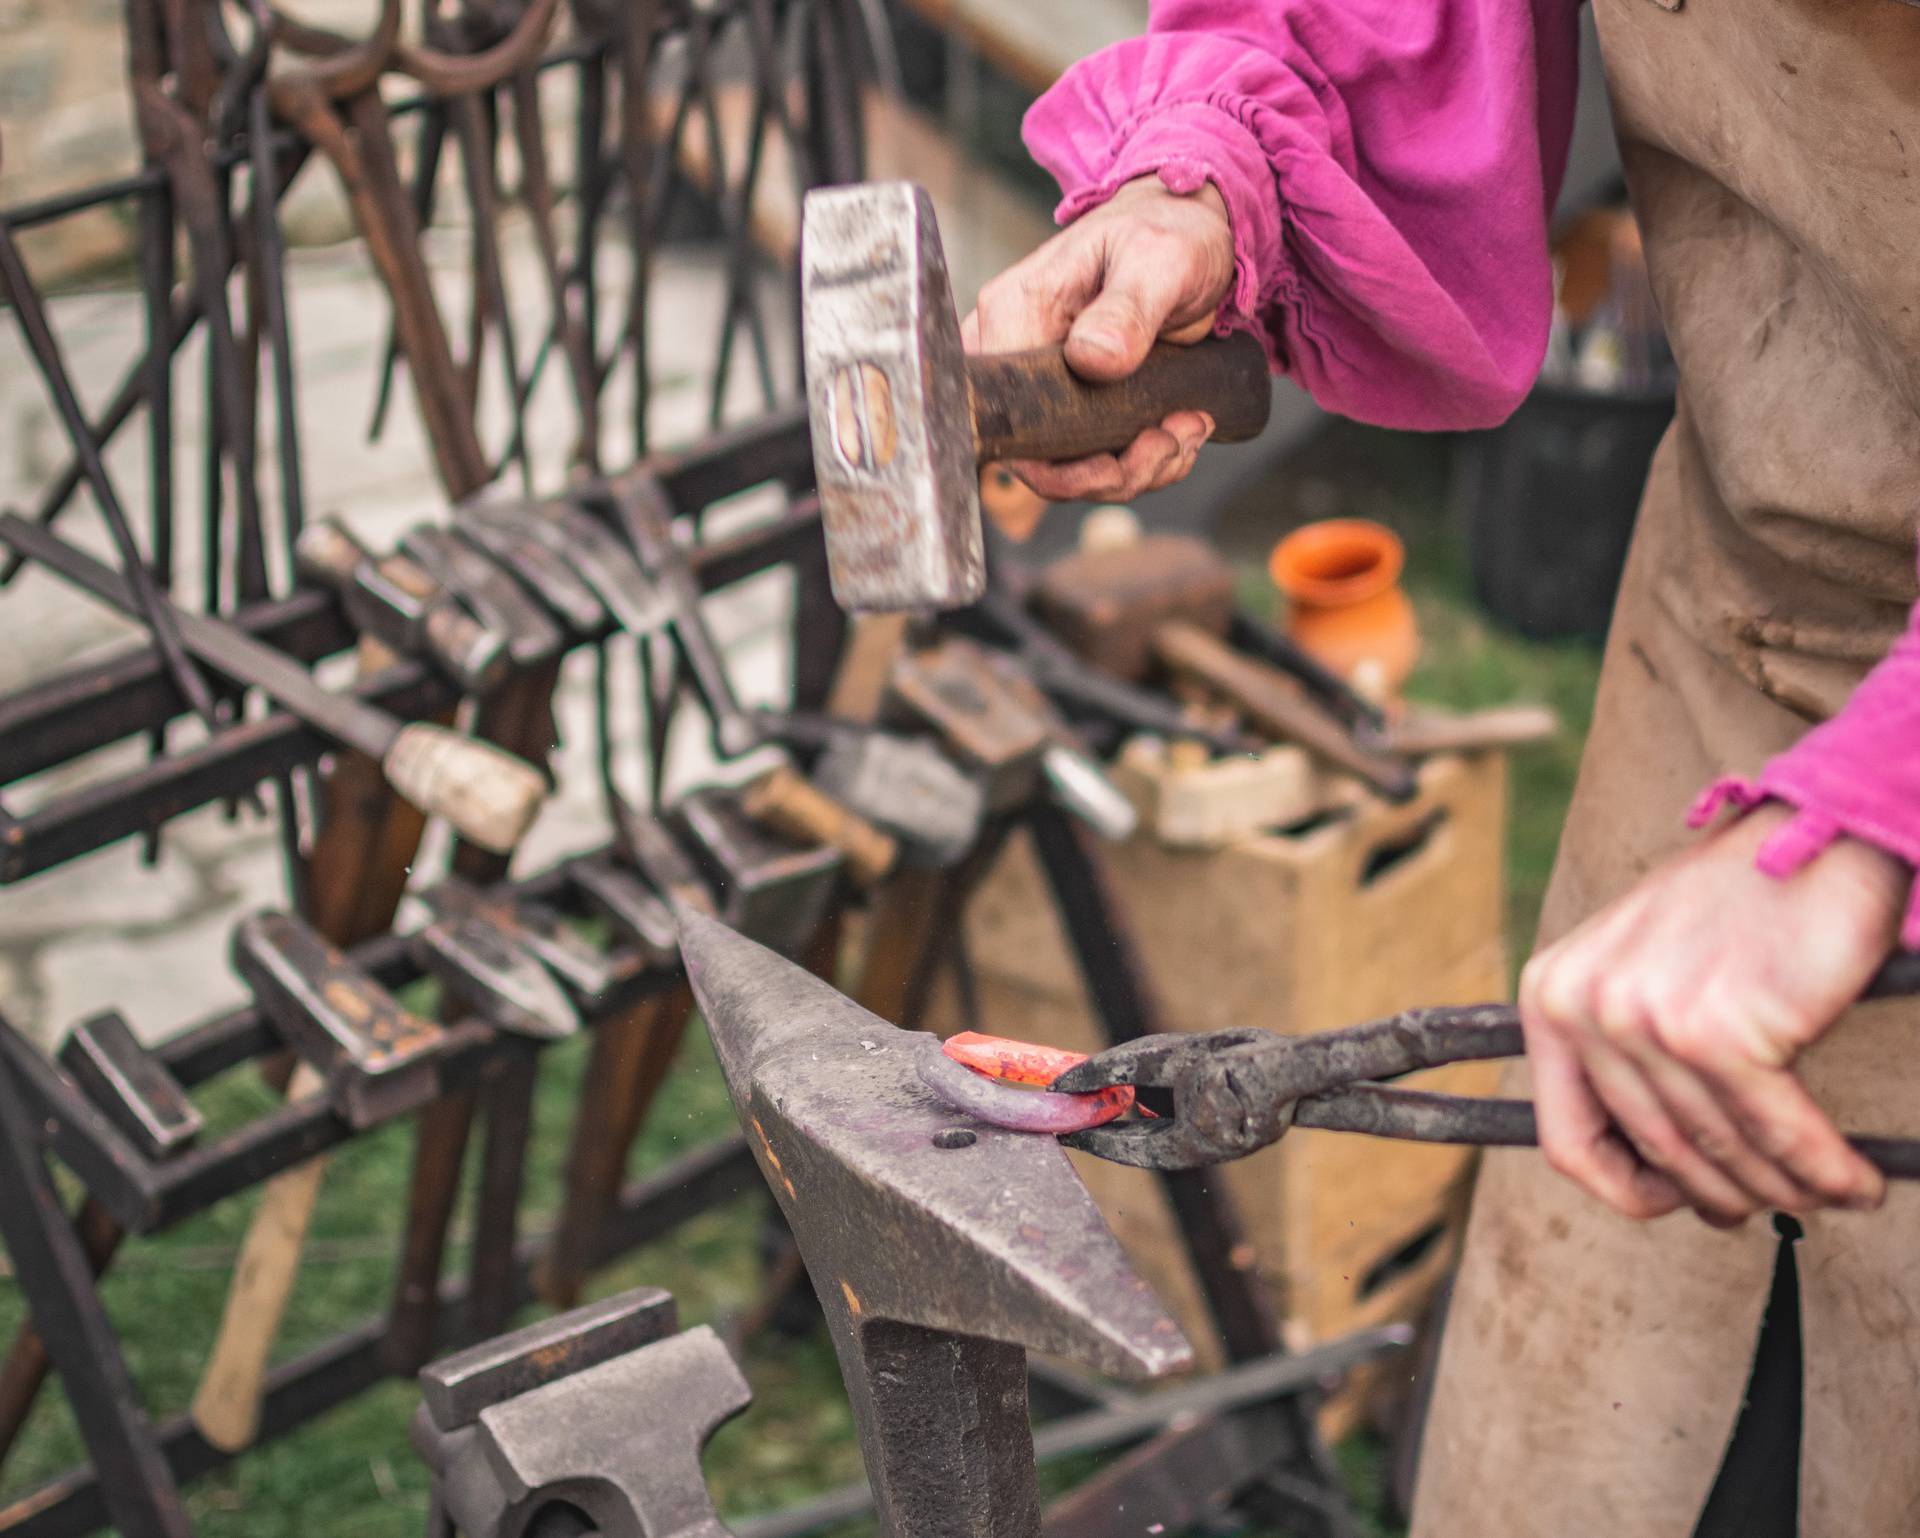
1234 1092
331 99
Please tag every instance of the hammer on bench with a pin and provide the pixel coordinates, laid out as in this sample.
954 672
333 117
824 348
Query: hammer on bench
490 796
373 1060
394 600
1164 603
902 419
998 721
942 1250
593 551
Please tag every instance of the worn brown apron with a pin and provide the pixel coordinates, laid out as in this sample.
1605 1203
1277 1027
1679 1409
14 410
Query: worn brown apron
1593 1368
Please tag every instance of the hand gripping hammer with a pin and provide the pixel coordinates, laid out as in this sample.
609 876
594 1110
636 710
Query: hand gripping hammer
902 419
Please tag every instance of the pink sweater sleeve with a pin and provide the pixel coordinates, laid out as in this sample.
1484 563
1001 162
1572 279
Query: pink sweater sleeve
1857 774
1388 166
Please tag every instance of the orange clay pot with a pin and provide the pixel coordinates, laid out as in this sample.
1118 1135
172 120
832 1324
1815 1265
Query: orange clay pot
1342 580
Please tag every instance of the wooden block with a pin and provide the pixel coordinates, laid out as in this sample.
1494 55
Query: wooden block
1375 908
1213 802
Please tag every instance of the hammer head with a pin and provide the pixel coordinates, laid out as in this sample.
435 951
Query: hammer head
907 1210
887 401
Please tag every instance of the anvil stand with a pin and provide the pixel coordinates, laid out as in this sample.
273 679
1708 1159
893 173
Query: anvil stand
1269 1462
1272 1458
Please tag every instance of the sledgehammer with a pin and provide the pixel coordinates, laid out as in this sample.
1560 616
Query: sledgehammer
902 419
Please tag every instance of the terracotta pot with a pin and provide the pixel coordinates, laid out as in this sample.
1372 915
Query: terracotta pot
1341 579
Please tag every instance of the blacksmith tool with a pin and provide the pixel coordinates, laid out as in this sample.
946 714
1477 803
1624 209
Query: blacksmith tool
591 1422
1107 601
994 718
497 599
770 886
941 1250
534 928
490 796
630 885
908 787
332 100
1166 601
650 847
632 1051
479 959
594 552
788 802
633 908
1421 732
1277 706
1232 1093
147 602
393 599
492 963
549 575
902 419
1001 620
131 1085
375 1059
638 503
51 1265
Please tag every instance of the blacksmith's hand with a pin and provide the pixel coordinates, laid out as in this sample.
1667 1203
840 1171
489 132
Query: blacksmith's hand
1147 265
1662 1033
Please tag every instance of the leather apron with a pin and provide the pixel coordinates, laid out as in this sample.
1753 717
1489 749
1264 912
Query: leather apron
1594 1368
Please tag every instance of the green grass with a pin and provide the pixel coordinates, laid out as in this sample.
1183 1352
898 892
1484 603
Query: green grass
353 1473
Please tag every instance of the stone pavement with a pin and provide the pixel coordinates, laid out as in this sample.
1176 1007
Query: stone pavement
152 941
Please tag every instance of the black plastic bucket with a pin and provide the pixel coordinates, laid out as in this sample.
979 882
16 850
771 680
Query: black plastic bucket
1550 498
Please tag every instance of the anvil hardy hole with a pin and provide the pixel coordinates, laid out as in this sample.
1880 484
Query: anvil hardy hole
954 1137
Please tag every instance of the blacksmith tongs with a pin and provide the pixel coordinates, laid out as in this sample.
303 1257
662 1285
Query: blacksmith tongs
1222 1095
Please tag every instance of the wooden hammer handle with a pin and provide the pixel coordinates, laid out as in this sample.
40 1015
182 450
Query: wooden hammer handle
1030 405
226 1406
1508 726
787 802
1276 706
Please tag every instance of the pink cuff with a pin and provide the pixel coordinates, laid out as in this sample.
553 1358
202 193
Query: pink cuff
1808 833
1188 144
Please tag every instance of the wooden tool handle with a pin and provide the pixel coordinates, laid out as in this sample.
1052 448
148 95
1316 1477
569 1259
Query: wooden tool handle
787 802
1509 726
226 1406
327 553
1276 706
487 794
1030 405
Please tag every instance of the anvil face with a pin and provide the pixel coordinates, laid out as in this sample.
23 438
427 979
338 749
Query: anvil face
887 401
912 1211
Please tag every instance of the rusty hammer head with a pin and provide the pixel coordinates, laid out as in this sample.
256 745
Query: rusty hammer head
887 401
940 1247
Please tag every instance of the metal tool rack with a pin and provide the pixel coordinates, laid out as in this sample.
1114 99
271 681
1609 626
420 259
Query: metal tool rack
235 101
